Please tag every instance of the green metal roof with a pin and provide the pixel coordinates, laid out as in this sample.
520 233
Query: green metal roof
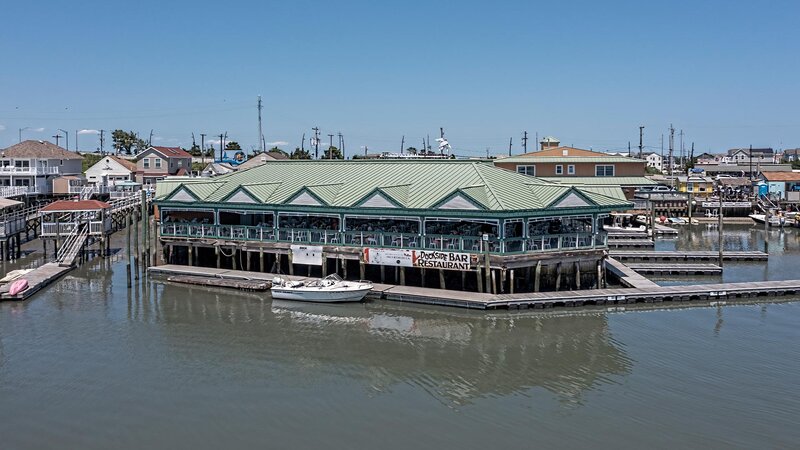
411 184
533 159
602 181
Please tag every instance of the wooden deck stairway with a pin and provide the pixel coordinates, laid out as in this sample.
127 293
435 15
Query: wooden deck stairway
71 248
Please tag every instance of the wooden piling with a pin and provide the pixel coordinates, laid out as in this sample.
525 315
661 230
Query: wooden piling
190 250
291 264
383 273
537 276
128 254
558 276
145 233
216 253
261 259
494 281
577 275
511 281
135 232
403 276
324 265
766 230
479 279
361 270
442 284
719 226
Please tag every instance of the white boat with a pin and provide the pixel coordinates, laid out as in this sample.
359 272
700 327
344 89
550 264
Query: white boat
331 289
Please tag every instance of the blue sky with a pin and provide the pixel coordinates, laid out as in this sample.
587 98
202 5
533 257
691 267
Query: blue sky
589 73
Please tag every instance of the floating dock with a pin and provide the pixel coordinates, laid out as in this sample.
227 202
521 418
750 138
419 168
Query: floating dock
651 255
645 291
631 243
242 285
37 279
675 269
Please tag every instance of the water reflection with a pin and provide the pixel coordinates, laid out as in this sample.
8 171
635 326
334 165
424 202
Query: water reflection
455 356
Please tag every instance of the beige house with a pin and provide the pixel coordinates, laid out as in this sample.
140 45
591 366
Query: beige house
157 163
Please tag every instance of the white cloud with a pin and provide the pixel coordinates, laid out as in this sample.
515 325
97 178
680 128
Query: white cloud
2 127
276 143
88 132
37 130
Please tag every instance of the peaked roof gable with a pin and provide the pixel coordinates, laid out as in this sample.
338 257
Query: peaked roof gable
459 200
306 198
572 199
38 149
377 199
183 194
241 195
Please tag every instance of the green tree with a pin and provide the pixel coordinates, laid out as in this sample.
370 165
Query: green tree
277 150
195 150
650 170
233 145
333 153
127 142
298 153
411 150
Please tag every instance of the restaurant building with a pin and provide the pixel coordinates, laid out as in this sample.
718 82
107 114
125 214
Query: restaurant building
437 223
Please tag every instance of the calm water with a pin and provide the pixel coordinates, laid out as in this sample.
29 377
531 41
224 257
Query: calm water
88 364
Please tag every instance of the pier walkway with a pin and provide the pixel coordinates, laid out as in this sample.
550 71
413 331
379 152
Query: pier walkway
644 293
651 255
37 279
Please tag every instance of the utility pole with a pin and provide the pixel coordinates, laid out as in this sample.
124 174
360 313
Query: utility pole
441 132
428 147
303 143
330 151
220 148
102 140
402 144
342 149
510 140
316 142
629 148
57 136
671 149
683 162
76 141
525 142
203 148
150 141
751 163
260 132
66 137
641 133
537 141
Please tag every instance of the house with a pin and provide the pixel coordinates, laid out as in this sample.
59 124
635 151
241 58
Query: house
157 163
792 154
784 185
575 166
696 184
33 165
654 160
111 170
708 158
216 169
743 156
743 170
262 158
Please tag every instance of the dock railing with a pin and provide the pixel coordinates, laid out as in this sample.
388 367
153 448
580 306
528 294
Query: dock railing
444 242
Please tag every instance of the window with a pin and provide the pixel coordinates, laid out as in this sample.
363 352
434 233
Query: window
559 169
604 170
146 163
527 170
180 163
571 169
157 162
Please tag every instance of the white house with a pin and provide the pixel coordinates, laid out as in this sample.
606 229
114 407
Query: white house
654 160
33 165
111 170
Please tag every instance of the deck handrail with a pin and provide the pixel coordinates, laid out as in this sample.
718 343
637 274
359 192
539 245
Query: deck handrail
458 243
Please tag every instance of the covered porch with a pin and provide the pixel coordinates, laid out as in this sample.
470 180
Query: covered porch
64 217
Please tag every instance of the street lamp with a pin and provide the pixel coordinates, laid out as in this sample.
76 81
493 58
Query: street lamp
66 133
20 132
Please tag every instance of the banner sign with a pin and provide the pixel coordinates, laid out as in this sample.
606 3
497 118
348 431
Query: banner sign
307 254
726 204
423 259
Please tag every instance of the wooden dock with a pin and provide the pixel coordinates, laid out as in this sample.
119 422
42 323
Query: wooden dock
645 291
37 279
675 269
662 229
627 276
651 255
631 243
242 285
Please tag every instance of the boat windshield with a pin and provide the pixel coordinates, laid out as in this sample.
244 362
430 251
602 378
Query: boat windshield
333 277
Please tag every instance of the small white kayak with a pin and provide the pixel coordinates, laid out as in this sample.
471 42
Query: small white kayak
331 289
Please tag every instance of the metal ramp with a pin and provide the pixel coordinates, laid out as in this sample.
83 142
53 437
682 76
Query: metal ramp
71 248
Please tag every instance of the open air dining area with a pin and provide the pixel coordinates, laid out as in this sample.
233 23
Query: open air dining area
500 236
